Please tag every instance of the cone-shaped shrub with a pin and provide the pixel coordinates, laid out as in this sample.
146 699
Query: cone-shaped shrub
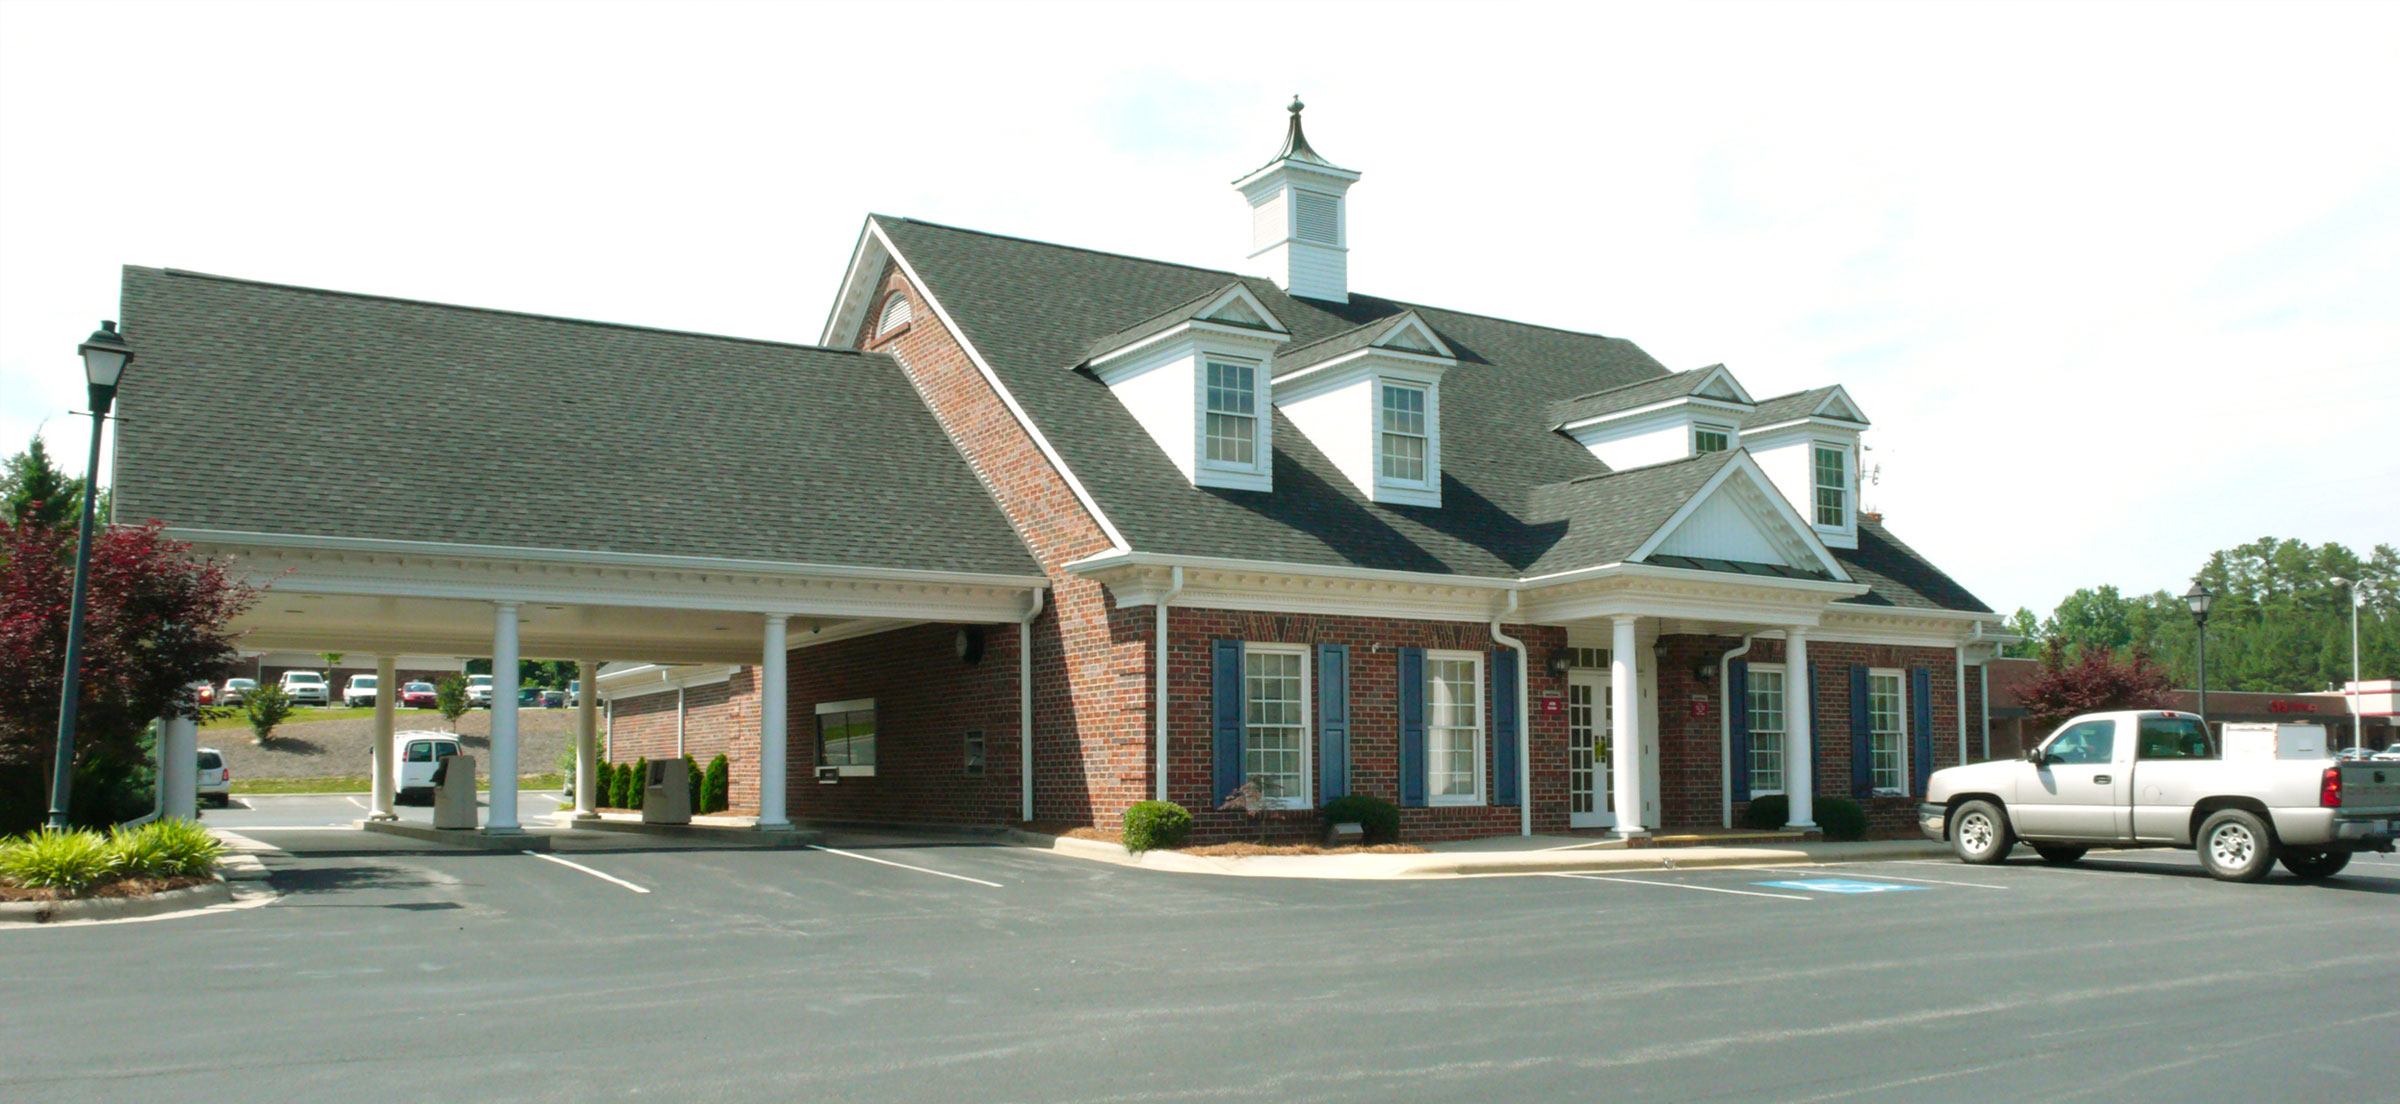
712 790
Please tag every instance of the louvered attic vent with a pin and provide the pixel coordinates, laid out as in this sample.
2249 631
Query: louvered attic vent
1317 218
895 314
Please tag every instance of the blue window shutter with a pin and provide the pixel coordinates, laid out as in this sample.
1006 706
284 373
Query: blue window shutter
1862 777
1504 726
1920 698
1227 716
1412 726
1737 714
1333 720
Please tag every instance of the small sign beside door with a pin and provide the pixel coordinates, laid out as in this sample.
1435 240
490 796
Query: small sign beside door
1700 707
1552 703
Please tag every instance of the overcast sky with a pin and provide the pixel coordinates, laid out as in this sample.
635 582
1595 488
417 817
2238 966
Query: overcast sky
2118 285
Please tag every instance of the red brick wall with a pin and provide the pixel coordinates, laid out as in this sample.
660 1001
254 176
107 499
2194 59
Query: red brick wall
1690 747
1092 699
926 700
1374 717
718 719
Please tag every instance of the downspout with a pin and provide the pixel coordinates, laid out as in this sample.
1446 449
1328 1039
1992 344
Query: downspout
1524 720
1725 725
1983 675
1025 707
1175 588
1960 653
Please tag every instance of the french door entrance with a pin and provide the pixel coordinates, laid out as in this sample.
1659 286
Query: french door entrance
1589 703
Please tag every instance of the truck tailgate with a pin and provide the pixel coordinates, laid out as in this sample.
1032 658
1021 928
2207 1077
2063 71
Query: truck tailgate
2370 787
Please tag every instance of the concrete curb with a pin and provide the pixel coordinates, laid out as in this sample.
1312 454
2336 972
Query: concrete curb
116 908
471 839
713 833
1461 864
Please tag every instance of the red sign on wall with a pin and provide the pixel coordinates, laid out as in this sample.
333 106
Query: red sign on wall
1552 703
1700 707
2291 707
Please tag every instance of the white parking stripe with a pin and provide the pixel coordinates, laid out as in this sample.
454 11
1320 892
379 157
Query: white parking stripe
354 801
1681 885
1899 878
904 866
588 870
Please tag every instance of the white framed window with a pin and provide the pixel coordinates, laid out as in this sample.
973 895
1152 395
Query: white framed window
1231 413
846 736
1275 750
896 312
1887 734
1454 728
1405 440
1833 485
1710 438
1766 731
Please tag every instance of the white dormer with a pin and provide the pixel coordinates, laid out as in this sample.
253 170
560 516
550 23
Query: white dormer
1199 379
1808 444
1658 420
1299 227
1370 399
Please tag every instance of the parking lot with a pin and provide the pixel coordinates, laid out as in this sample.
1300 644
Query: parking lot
893 968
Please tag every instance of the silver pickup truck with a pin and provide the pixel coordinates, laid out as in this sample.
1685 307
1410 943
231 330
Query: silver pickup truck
2156 779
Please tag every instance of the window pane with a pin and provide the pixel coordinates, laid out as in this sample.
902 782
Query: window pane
1454 726
1766 731
1403 458
1275 739
1709 439
1885 749
1404 437
1833 487
2174 738
846 739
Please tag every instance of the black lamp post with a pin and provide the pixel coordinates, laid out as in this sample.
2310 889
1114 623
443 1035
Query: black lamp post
2197 598
104 358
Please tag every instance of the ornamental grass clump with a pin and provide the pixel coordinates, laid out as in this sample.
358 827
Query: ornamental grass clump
70 862
166 849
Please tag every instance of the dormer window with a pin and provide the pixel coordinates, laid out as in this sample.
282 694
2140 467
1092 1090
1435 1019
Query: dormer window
1710 438
1833 486
1232 423
895 315
1404 437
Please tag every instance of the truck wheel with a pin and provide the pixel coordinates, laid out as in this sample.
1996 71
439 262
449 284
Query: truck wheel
1981 834
2057 854
2235 846
2314 862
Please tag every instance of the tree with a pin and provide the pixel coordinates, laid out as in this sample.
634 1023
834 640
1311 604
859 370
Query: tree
450 696
156 620
332 660
2024 624
2096 680
265 708
36 493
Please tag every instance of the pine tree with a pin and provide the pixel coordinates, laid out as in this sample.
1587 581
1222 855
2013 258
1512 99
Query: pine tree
36 493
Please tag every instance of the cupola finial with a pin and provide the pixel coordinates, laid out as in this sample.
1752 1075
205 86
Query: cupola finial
1295 144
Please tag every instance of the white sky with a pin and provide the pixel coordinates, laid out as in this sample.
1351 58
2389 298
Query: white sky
2119 285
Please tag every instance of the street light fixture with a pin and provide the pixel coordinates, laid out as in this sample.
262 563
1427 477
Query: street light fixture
2358 724
105 356
2198 598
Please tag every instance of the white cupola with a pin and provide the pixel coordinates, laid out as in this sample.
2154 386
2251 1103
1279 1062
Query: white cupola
1299 228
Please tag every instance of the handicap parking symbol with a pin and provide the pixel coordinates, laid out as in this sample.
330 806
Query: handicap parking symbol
1830 885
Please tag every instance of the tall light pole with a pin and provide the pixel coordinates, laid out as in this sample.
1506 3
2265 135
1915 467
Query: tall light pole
105 356
2358 724
2198 598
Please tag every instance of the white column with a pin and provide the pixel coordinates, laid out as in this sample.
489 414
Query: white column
500 815
1799 774
179 768
587 739
771 707
387 694
1624 738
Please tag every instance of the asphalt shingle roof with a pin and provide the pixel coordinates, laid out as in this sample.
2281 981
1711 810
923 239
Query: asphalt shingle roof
265 408
1291 360
1629 396
1511 501
1784 408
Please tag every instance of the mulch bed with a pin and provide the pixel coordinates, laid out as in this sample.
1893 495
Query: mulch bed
1236 850
114 887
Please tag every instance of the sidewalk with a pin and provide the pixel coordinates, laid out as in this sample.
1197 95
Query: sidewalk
1496 856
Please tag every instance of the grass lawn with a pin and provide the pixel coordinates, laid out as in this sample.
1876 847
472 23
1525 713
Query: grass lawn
357 783
310 714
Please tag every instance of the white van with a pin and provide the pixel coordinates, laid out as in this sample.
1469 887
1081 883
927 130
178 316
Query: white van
415 754
306 688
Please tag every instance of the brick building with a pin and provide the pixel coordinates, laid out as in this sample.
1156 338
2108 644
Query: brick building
1259 529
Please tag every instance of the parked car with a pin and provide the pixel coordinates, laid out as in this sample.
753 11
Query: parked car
2151 778
419 695
479 691
205 693
538 698
2350 754
306 688
574 692
554 699
359 691
236 691
216 778
2389 755
420 753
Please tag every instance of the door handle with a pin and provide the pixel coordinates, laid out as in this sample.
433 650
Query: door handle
2100 779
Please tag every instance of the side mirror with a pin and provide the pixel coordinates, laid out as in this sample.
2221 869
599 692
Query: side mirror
2033 756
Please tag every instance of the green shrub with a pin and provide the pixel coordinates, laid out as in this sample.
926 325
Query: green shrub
69 861
166 849
617 774
714 789
1767 813
1379 819
265 707
639 782
691 772
1841 818
1154 824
